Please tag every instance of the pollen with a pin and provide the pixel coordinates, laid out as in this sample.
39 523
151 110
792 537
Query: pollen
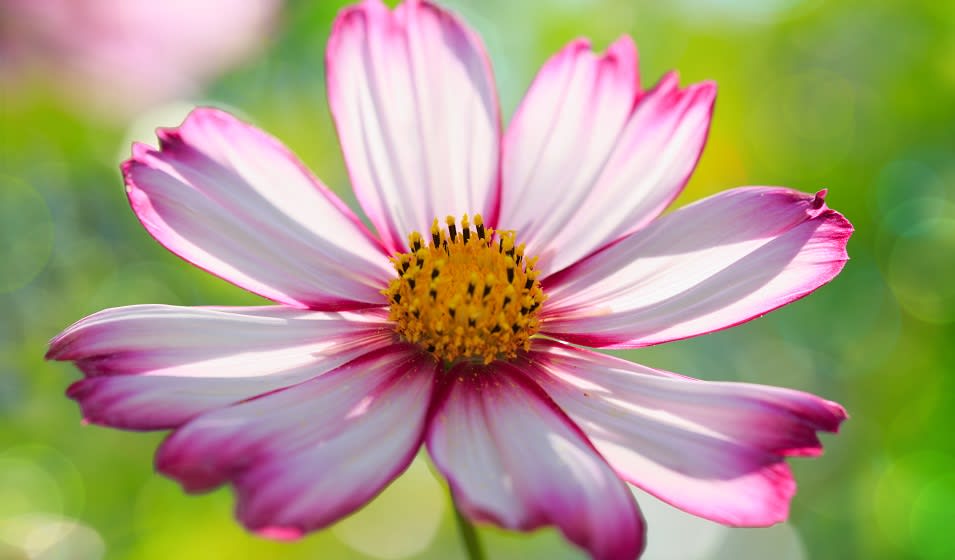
465 294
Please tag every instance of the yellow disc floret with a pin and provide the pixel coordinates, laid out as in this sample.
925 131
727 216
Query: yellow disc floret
466 294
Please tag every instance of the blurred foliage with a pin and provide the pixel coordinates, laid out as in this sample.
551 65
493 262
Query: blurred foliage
854 96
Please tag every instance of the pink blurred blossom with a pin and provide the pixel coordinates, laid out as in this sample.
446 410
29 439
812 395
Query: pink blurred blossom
120 57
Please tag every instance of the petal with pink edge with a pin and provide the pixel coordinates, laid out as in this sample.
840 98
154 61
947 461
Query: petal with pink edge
715 450
714 264
306 456
514 459
413 98
234 201
154 367
589 157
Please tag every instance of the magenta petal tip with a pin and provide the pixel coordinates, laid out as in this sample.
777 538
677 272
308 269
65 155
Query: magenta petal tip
279 533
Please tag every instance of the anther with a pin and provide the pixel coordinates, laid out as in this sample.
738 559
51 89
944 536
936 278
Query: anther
472 284
435 233
489 282
507 243
508 295
479 225
452 228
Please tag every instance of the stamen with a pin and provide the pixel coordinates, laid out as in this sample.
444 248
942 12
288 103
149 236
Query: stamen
465 229
452 230
452 299
435 233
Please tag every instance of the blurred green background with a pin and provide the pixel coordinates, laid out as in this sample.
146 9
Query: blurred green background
855 96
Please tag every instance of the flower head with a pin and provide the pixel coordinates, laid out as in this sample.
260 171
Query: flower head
456 323
466 295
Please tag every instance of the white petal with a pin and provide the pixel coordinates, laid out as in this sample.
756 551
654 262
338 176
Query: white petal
512 458
157 366
232 200
589 157
719 262
713 449
304 457
413 98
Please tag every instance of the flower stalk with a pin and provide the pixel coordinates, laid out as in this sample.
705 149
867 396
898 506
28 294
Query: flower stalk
469 537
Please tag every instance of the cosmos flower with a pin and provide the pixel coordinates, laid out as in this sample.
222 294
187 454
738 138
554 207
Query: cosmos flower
458 323
120 57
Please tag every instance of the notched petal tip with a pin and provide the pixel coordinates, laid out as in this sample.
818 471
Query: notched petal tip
139 151
837 415
61 347
169 137
193 479
53 351
707 90
77 390
623 44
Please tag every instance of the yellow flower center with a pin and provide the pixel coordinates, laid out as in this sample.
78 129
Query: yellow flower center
466 294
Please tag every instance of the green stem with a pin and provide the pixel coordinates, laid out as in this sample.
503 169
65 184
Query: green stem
468 534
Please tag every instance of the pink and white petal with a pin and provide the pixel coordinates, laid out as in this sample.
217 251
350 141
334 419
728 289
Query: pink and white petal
234 201
413 97
303 457
714 264
715 450
577 94
514 459
589 157
157 366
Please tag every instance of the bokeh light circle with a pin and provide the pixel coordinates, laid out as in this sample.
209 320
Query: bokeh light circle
918 271
26 233
932 519
902 497
27 488
669 525
402 521
49 537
